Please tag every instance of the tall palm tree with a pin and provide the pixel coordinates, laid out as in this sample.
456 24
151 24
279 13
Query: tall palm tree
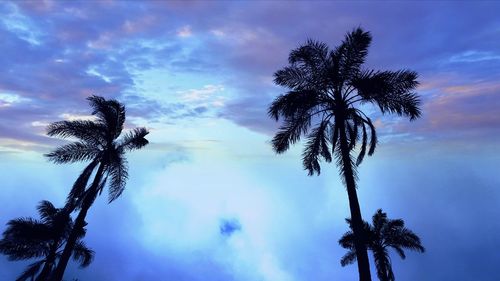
99 142
382 235
28 238
325 89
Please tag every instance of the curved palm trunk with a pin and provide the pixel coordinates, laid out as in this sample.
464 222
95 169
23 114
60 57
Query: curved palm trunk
357 221
78 226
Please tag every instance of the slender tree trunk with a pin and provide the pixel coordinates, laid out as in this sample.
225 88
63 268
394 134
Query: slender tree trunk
357 221
78 226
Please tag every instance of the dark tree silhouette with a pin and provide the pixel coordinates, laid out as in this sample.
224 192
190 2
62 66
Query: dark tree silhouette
28 238
380 236
325 88
99 142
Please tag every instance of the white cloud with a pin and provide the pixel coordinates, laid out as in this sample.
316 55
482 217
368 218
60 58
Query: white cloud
475 56
203 94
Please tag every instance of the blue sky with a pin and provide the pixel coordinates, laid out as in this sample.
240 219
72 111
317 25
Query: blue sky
198 74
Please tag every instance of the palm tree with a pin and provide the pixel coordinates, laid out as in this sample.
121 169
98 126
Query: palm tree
382 235
325 89
99 142
28 238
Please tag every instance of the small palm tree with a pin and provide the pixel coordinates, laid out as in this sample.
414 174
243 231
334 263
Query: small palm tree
325 89
28 238
382 235
99 142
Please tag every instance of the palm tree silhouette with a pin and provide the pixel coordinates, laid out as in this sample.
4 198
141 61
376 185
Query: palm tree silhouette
325 88
380 236
28 238
99 142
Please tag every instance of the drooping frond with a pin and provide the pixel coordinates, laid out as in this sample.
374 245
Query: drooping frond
392 91
316 146
83 254
348 258
339 160
400 251
352 133
334 130
110 113
383 265
31 271
290 132
73 152
364 142
405 238
117 171
87 131
347 240
373 137
135 139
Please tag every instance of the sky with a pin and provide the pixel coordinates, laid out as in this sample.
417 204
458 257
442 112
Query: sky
208 199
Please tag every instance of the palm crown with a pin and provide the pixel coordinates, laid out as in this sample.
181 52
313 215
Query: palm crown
381 235
325 87
98 141
28 238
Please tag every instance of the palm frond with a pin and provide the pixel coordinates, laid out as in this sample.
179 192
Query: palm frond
290 132
313 61
392 91
316 146
110 113
31 271
292 77
25 238
294 104
405 238
364 142
348 258
373 136
341 163
134 139
87 131
47 211
73 152
400 251
351 54
117 171
383 265
352 133
347 240
83 254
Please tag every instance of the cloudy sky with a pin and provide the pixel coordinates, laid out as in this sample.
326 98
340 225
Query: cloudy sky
208 199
